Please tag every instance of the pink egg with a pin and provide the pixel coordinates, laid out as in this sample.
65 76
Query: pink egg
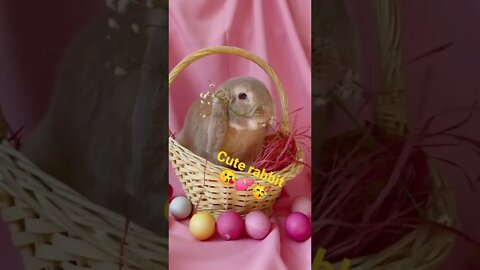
257 225
230 225
303 205
298 226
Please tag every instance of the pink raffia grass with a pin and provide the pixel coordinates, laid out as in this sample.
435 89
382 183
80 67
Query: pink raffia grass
372 188
370 193
347 222
280 150
13 137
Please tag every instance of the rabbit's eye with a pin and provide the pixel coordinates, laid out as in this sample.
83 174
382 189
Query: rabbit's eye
242 96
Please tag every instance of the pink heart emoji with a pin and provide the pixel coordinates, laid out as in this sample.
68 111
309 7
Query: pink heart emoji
243 184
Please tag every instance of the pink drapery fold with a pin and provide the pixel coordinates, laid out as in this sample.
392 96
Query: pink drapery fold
279 32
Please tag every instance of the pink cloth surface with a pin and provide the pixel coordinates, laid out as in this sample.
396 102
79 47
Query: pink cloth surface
280 33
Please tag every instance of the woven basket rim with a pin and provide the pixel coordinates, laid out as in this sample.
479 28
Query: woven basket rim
58 204
241 175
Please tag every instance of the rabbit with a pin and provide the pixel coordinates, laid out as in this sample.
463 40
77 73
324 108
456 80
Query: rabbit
106 131
233 119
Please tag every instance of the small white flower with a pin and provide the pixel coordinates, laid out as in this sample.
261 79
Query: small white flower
203 115
135 28
271 121
119 71
113 24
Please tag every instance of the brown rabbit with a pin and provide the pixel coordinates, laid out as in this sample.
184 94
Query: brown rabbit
106 132
234 119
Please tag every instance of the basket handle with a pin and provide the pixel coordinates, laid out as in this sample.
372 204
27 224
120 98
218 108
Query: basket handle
284 126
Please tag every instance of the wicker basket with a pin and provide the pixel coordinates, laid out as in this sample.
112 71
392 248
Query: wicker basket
55 227
423 248
199 178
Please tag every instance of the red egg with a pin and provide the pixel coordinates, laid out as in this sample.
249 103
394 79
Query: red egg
298 226
230 225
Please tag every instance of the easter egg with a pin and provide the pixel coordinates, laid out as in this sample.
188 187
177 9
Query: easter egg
298 226
302 205
230 225
257 225
180 207
202 225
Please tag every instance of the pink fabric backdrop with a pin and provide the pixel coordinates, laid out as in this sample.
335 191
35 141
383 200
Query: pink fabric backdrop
279 32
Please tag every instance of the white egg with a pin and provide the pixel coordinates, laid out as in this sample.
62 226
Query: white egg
180 207
302 205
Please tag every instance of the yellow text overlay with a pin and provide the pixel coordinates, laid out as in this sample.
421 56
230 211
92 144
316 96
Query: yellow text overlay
237 164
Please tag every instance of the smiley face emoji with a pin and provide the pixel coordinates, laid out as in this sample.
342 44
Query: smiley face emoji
260 192
227 177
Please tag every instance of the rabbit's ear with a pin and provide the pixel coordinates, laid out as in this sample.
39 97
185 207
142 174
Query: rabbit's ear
217 126
148 177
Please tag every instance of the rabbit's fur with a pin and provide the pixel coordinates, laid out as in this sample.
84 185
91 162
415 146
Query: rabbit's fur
224 121
106 130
